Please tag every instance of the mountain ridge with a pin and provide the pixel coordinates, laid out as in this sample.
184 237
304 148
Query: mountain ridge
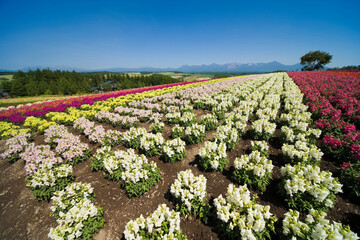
214 67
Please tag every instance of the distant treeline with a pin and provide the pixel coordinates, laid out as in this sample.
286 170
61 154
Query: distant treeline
350 67
47 82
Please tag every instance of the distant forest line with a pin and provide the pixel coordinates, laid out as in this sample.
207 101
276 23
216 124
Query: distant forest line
48 82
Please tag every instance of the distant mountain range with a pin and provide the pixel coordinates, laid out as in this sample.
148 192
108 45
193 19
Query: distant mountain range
229 67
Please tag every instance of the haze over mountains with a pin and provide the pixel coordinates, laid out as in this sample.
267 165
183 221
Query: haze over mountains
229 67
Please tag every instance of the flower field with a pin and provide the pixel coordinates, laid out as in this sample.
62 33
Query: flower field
271 156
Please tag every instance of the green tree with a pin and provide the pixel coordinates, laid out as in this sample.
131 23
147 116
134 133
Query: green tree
315 60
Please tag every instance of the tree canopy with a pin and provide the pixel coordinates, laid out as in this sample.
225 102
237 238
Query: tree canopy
315 60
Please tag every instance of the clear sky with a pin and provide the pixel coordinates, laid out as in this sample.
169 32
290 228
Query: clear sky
104 34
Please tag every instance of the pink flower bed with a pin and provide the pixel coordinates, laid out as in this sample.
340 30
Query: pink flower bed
333 100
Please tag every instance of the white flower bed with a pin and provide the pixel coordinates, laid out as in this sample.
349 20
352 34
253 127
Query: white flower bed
240 217
302 152
187 119
195 133
306 187
213 156
174 150
189 193
157 127
254 170
132 137
152 227
137 174
228 135
177 131
76 214
314 226
151 144
263 129
261 146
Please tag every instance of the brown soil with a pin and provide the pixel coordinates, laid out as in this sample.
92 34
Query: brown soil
22 217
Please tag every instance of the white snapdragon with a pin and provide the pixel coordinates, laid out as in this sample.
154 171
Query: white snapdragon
190 190
174 150
238 209
254 162
310 179
314 226
213 156
146 227
302 152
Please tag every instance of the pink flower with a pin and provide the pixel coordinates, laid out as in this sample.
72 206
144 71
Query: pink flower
344 166
358 178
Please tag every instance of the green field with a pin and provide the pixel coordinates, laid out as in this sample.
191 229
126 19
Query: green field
6 77
24 100
186 77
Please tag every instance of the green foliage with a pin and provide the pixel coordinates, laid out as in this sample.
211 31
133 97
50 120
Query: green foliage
315 60
144 185
46 192
177 132
47 82
350 178
304 201
93 224
243 176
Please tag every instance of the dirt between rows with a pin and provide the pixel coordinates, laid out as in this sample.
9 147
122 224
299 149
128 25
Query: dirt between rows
23 217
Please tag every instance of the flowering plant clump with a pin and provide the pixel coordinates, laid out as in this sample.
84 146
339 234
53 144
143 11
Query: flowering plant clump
262 129
220 114
195 133
151 144
8 130
66 144
94 133
15 146
161 224
209 121
291 135
301 152
137 175
350 178
177 131
157 127
254 170
112 138
314 226
156 117
97 161
174 150
129 122
240 217
47 180
213 156
189 193
187 119
228 135
37 124
142 115
39 156
307 187
76 214
266 113
260 146
132 137
173 117
186 108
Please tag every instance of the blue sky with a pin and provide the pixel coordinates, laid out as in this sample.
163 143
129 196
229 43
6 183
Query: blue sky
96 35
